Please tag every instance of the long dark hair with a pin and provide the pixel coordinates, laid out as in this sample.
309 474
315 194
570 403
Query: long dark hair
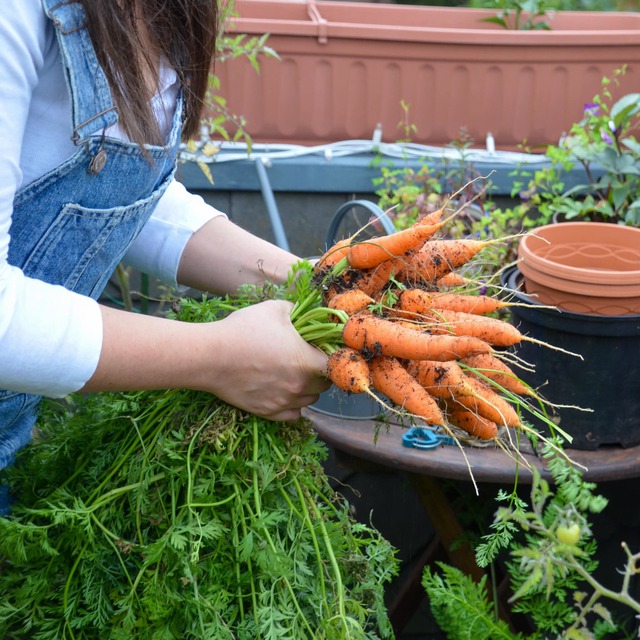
183 30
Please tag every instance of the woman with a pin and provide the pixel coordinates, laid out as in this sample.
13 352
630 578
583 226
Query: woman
94 99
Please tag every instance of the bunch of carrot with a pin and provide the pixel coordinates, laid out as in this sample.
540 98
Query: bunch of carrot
413 331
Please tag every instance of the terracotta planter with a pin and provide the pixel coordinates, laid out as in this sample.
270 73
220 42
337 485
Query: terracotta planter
584 267
345 67
606 380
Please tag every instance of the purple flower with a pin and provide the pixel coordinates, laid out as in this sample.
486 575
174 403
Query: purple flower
526 195
606 137
591 109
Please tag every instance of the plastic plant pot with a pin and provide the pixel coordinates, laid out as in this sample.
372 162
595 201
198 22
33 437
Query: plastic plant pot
606 380
338 403
584 267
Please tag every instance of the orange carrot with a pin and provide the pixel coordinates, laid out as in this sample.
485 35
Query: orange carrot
373 335
395 382
351 301
497 371
447 381
349 371
440 379
415 302
452 279
480 399
372 280
467 303
492 331
430 218
333 255
496 332
370 253
472 423
436 258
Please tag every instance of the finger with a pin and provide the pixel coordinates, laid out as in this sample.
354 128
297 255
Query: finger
305 401
286 415
293 412
317 386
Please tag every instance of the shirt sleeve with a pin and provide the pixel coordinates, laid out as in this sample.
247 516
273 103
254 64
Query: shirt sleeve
50 338
158 248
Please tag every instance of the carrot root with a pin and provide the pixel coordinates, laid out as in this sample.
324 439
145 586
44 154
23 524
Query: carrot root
395 382
373 280
369 254
482 400
332 256
492 330
369 333
488 366
438 257
473 424
440 379
351 301
349 371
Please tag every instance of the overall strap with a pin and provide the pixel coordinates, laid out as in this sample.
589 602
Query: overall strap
92 105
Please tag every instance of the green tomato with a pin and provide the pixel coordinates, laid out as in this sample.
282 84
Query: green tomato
568 534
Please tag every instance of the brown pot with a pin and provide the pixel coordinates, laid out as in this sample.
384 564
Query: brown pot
345 67
583 267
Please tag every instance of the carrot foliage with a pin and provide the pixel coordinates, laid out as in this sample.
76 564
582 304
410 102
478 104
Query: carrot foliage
171 514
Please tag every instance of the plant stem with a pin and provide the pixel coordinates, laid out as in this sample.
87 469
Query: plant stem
620 597
256 494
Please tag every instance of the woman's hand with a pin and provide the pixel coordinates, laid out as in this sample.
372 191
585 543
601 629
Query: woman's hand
253 359
264 366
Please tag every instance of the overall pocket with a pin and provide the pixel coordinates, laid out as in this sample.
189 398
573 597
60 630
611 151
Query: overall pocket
83 246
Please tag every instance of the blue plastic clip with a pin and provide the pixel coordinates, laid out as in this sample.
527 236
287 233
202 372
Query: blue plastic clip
424 438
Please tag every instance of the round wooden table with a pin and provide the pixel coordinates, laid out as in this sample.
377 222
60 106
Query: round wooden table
486 464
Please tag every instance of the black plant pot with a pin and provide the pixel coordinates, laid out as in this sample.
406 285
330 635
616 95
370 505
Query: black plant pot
606 381
341 404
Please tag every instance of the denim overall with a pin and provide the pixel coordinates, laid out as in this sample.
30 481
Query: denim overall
73 225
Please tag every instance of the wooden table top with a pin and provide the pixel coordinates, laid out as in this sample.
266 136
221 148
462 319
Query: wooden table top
487 464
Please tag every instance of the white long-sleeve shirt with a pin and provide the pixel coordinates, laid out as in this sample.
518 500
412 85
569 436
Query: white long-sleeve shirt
50 338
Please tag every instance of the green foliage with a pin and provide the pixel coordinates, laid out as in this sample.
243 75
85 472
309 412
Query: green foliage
525 15
543 9
170 514
408 194
604 144
551 573
220 121
461 607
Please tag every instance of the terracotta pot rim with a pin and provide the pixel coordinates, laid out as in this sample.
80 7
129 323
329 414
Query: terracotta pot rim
607 235
585 287
514 281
